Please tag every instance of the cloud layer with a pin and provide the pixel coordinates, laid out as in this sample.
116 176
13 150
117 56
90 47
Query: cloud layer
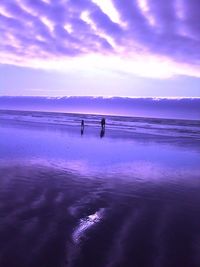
49 29
182 108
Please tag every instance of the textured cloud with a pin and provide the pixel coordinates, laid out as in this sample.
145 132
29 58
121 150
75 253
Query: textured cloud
182 108
62 29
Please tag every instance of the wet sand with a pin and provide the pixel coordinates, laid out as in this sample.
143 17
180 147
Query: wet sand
72 200
53 218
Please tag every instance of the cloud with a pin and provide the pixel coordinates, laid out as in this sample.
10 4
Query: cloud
182 108
47 30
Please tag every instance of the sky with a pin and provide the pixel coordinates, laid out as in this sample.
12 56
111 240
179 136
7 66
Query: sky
100 48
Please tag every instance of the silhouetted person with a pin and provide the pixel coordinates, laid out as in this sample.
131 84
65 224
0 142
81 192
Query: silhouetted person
82 123
103 123
82 127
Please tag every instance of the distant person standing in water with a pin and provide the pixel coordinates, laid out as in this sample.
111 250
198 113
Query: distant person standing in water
82 126
103 123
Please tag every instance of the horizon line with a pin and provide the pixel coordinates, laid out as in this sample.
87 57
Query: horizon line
109 97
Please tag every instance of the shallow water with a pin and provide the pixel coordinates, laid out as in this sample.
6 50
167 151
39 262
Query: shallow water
68 199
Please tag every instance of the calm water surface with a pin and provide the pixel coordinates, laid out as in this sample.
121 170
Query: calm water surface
124 199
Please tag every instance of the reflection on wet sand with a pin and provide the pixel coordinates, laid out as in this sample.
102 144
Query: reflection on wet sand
102 133
51 217
85 224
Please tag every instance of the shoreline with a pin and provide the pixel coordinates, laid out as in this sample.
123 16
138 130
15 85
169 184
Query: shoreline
100 115
110 132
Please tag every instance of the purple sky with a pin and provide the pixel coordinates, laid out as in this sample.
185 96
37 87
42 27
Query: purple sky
100 47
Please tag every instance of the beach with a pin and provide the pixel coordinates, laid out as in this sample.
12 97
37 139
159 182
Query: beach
129 197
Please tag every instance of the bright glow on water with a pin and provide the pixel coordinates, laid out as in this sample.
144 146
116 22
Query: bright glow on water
85 224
